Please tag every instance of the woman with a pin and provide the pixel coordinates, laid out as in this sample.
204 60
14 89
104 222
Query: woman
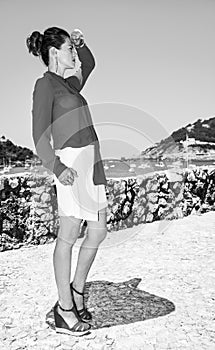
75 160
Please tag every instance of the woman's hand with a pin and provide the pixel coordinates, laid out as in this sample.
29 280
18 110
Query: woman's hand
67 177
77 38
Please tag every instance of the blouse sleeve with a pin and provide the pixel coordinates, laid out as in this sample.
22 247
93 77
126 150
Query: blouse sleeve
87 65
41 126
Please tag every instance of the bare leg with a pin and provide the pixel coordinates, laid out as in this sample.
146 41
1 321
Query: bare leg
96 233
67 235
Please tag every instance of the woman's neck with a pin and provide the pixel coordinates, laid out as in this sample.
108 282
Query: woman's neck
59 72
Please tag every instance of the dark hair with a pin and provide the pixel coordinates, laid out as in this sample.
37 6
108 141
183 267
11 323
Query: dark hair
39 44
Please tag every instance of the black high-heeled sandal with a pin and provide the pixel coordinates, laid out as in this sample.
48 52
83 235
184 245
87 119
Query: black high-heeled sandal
83 313
61 326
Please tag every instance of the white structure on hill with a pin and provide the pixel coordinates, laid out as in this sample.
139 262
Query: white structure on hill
3 139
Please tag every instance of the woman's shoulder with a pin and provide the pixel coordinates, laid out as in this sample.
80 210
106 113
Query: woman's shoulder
42 82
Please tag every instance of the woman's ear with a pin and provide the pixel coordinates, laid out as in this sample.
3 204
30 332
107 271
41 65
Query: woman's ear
53 51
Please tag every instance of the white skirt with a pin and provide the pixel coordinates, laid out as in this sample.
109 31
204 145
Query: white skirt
83 199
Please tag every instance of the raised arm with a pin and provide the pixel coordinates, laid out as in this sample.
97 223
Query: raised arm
87 65
41 126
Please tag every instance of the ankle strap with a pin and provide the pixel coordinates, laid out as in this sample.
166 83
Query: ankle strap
76 290
63 308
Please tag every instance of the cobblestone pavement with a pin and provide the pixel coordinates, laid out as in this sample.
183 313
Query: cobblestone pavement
175 262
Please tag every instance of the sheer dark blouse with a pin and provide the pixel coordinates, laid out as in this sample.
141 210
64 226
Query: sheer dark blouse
61 111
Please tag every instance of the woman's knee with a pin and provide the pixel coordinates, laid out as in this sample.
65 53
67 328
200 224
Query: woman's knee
97 230
95 237
102 220
69 229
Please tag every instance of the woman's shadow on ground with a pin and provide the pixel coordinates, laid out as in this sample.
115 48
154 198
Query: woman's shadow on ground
121 303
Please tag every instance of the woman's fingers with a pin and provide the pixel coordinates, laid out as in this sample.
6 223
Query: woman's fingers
68 176
77 32
74 172
77 37
71 176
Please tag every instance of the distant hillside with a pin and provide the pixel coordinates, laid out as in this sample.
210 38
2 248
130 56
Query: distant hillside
202 130
14 152
199 137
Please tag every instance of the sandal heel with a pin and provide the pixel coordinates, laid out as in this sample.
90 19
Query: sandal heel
61 326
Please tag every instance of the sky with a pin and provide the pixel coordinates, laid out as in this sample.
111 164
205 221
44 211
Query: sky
155 66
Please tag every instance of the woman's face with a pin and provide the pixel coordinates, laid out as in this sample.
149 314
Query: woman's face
66 54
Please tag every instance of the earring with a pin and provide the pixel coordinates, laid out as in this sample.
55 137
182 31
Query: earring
56 65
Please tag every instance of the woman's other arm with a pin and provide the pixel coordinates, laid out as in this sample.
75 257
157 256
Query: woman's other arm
41 126
87 65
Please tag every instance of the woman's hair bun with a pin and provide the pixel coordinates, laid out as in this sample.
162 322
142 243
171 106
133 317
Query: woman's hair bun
34 42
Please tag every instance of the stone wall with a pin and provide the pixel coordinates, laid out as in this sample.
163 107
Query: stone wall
28 211
28 203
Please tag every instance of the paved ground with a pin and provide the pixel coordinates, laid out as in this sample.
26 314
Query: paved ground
175 262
